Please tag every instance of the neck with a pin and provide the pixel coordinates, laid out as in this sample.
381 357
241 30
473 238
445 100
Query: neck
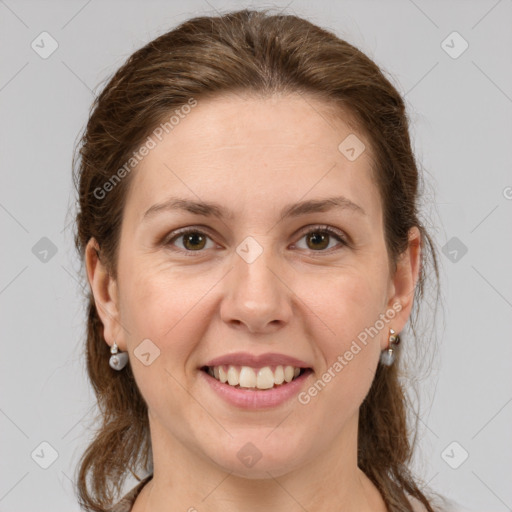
193 483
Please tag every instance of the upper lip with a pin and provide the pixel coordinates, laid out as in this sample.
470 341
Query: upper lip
255 361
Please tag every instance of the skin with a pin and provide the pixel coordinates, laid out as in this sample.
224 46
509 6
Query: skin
298 298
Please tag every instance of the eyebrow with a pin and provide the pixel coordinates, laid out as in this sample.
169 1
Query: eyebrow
211 209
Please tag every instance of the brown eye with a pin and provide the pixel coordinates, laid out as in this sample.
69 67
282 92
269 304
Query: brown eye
317 240
320 238
192 240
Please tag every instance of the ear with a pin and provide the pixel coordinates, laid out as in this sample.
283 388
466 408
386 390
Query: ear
105 291
403 282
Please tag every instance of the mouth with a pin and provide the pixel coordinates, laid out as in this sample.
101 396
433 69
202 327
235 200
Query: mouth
255 378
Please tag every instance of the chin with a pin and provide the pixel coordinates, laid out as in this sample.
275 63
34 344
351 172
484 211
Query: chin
256 457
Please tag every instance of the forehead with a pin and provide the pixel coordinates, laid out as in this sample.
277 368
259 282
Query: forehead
241 148
231 120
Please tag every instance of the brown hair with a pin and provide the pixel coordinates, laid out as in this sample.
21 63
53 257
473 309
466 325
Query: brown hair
259 53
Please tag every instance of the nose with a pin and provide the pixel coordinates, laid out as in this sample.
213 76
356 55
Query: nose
257 298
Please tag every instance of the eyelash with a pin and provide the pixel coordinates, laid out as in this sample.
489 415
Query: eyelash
314 229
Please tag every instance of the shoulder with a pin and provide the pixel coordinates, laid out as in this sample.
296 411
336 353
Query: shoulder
445 506
125 504
416 504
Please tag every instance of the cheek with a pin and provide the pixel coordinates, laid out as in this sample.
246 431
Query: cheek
167 307
346 302
350 305
156 301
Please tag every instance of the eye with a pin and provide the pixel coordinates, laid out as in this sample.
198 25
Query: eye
193 240
319 238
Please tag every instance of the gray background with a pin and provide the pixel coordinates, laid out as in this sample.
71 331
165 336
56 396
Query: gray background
460 109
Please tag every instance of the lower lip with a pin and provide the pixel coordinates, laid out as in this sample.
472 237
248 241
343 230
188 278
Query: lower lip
254 398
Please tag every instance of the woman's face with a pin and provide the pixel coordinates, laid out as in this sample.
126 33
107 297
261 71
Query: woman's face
257 284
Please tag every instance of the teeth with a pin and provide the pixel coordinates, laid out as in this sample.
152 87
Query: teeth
265 378
279 375
247 377
233 376
288 373
223 376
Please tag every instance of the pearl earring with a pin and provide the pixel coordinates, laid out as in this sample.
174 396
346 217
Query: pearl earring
387 357
117 360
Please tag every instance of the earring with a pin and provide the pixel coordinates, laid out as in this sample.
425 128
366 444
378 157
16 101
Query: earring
387 357
117 360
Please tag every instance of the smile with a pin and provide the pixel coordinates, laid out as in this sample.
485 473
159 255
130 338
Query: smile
266 377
